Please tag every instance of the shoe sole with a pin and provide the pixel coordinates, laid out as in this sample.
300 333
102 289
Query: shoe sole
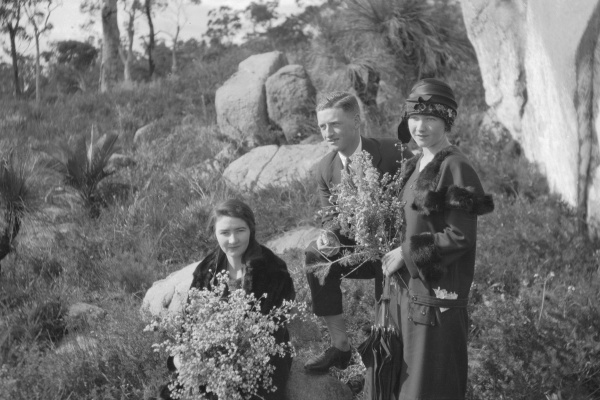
324 371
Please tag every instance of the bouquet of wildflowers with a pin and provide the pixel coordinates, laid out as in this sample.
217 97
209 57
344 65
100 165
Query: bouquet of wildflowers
224 344
367 208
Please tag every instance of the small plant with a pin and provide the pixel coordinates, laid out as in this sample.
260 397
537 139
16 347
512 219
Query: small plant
17 197
84 166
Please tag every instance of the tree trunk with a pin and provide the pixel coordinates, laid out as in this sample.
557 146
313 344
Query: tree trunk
174 65
151 43
12 32
38 94
128 57
109 74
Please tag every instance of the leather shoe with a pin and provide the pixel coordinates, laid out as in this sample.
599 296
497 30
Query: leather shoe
356 383
332 357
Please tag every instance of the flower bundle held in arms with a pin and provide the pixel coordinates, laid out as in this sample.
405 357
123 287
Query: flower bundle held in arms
225 344
367 208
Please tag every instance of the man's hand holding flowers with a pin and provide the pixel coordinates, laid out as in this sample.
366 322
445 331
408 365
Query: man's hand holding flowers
328 243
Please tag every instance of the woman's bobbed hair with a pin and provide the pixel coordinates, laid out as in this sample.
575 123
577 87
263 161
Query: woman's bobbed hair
234 208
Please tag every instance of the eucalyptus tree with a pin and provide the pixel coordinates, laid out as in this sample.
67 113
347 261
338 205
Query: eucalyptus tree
177 13
70 62
223 24
262 14
11 21
38 15
133 9
109 72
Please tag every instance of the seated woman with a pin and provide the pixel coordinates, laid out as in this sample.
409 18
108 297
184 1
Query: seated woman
250 266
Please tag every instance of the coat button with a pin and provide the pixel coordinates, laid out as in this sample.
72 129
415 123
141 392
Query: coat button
432 323
423 312
414 298
410 319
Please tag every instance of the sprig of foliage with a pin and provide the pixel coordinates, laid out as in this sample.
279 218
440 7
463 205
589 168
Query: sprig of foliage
224 342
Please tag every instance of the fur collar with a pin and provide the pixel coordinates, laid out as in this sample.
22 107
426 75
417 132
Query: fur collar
265 274
429 200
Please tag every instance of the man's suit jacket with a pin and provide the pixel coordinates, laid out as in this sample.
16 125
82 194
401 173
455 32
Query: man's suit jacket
386 158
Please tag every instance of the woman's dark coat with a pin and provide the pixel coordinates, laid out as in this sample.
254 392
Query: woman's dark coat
442 205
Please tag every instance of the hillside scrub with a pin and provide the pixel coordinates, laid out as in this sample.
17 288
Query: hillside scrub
534 305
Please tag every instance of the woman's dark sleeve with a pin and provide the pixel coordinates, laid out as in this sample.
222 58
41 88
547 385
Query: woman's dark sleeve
429 253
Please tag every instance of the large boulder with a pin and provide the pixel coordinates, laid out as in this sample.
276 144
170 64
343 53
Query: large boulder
542 84
291 101
297 238
170 294
241 103
274 165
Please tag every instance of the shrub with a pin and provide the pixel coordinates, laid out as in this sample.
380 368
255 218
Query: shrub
17 195
84 166
116 362
45 322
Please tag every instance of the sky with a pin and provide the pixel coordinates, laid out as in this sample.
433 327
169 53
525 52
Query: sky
68 20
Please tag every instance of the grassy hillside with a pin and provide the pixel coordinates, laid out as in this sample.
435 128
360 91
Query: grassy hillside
535 312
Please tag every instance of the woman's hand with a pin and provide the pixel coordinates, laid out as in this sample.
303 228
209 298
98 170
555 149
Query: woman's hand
392 261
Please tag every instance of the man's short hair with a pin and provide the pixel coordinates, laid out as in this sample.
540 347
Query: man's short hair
344 100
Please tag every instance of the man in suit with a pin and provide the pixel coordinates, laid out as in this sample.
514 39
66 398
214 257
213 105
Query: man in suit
338 116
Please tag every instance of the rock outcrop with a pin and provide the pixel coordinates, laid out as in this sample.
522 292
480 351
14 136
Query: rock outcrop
291 101
540 64
170 294
274 165
241 104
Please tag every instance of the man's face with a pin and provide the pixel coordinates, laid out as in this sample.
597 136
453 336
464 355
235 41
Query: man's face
339 129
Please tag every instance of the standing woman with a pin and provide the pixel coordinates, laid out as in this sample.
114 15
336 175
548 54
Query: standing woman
250 266
443 197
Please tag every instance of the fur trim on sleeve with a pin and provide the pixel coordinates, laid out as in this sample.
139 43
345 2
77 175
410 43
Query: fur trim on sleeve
425 256
453 198
466 199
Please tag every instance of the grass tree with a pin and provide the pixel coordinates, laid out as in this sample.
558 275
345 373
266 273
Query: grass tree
84 165
423 38
17 195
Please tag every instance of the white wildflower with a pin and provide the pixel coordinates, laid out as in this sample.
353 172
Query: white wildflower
225 344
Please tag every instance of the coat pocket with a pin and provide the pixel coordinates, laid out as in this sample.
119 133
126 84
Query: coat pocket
425 310
421 313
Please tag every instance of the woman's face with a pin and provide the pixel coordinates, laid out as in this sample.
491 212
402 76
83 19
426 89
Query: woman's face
233 235
426 130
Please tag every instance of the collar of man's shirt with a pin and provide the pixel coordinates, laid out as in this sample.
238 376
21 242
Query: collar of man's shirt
358 150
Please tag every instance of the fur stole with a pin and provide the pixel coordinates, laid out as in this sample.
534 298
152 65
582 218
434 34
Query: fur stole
429 199
265 274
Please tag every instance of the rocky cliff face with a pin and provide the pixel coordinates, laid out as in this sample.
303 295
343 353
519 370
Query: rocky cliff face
540 64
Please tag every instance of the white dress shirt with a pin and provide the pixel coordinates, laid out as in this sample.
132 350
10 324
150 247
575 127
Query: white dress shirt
358 150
